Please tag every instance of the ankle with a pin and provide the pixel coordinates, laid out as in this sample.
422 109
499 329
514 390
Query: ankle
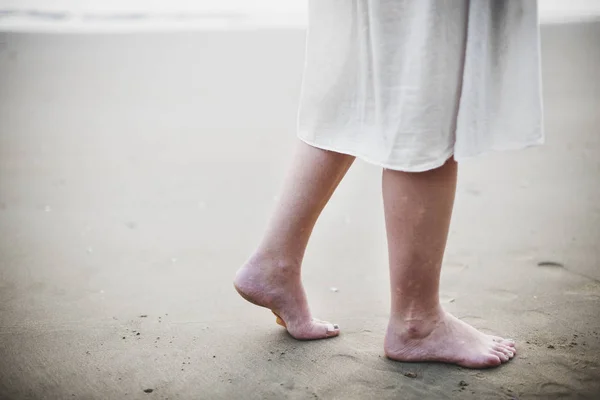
273 261
414 324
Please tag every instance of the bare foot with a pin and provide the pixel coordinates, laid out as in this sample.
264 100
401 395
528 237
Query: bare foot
445 338
278 287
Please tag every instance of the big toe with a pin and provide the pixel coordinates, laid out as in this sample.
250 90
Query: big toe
316 329
490 360
483 360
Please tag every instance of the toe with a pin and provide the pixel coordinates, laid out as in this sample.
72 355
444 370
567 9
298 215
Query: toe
506 342
332 330
492 360
507 351
315 330
503 348
484 360
501 355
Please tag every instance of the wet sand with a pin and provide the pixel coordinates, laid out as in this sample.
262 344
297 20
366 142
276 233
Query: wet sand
137 173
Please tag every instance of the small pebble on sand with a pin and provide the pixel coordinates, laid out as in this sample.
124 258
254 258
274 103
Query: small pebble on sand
148 390
410 374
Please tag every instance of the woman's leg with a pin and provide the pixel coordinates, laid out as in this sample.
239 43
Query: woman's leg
418 207
271 277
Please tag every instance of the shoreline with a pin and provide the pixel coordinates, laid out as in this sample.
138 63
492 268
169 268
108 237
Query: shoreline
140 21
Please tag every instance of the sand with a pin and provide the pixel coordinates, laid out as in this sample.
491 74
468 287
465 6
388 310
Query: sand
137 173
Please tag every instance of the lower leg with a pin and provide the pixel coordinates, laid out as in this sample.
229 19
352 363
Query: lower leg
271 277
418 208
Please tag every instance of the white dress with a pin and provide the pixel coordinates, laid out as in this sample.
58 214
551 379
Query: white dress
407 84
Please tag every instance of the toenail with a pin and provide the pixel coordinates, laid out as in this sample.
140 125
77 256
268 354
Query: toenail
331 328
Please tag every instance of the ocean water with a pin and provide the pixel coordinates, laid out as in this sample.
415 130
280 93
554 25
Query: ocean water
153 15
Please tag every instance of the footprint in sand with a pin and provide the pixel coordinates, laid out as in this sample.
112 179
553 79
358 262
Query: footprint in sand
554 268
558 378
293 391
350 362
590 291
356 364
346 356
554 389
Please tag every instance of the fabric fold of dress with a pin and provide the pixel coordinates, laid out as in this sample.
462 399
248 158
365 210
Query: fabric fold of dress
407 84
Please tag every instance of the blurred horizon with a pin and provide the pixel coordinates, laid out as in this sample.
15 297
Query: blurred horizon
139 15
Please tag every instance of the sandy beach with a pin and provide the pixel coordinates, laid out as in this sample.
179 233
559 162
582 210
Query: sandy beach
137 172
